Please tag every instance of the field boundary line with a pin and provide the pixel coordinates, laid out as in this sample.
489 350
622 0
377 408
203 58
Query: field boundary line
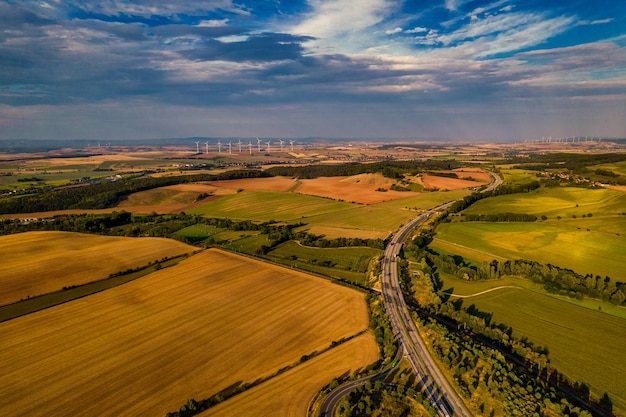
484 292
471 249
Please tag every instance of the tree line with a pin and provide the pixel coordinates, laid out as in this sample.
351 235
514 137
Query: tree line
500 217
390 169
488 361
106 194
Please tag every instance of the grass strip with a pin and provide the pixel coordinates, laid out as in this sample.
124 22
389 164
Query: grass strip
41 302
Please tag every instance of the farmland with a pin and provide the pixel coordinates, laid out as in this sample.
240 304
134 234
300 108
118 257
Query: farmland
583 343
589 223
66 259
348 263
266 205
193 330
553 202
217 323
360 188
593 251
299 385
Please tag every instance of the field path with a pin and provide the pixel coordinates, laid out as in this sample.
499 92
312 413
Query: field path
484 292
470 248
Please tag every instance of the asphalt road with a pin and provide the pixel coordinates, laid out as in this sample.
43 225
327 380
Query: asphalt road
437 388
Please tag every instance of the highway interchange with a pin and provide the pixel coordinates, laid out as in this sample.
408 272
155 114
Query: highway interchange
437 389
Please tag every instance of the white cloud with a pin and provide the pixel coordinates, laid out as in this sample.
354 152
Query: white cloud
342 25
156 7
453 4
595 22
417 29
393 31
496 34
213 23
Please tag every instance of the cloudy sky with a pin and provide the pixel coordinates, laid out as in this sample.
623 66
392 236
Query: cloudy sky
461 69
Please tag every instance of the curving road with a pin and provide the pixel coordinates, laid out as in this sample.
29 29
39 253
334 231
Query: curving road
436 387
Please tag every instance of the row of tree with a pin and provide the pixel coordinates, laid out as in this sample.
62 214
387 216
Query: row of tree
468 200
390 169
489 362
500 217
105 194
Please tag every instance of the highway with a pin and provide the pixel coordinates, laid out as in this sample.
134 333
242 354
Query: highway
436 387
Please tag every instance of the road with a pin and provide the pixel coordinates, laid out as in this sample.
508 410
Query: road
332 401
436 387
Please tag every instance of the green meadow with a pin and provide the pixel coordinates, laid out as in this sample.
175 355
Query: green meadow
376 220
198 232
322 215
564 244
518 176
553 202
469 288
424 201
349 263
358 221
268 205
618 167
584 231
586 345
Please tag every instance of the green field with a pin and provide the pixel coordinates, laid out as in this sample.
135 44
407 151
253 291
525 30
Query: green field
267 205
555 242
348 263
424 201
618 167
552 202
586 345
517 176
322 215
469 288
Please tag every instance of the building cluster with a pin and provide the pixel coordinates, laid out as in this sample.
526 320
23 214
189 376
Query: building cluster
573 178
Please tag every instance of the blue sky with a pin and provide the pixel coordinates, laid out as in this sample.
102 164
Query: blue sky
460 69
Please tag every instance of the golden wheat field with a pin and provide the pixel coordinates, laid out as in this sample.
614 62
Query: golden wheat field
444 183
188 331
290 393
36 263
259 184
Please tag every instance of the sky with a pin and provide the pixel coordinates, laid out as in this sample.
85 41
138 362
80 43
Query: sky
453 69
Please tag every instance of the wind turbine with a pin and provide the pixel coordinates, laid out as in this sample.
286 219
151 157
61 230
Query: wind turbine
258 142
250 146
197 147
291 143
230 147
239 143
219 146
268 146
281 145
206 146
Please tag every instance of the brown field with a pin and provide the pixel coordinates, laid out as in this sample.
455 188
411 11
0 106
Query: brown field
258 184
476 173
443 183
170 199
290 394
189 331
347 189
36 263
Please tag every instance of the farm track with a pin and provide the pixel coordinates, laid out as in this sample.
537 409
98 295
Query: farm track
484 292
